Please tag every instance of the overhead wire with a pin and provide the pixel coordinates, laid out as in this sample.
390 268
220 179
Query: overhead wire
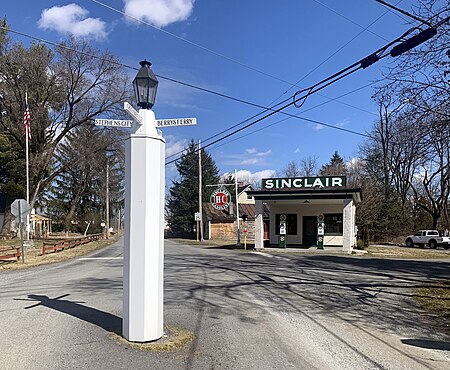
211 51
65 47
363 63
289 117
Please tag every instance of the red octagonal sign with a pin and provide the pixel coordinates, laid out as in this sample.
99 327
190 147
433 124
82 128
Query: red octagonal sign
220 199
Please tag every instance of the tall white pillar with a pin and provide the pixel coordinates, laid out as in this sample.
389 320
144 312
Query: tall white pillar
348 225
144 230
259 225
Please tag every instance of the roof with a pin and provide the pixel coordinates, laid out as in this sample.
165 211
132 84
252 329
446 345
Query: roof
212 214
308 193
247 187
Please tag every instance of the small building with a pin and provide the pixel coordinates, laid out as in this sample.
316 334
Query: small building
301 202
222 224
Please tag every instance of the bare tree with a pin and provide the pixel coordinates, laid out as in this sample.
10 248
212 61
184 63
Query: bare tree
292 170
309 165
65 90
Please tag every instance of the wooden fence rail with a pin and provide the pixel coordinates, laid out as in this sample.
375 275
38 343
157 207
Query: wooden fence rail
10 253
69 243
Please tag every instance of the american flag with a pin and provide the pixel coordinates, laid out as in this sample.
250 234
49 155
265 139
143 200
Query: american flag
27 121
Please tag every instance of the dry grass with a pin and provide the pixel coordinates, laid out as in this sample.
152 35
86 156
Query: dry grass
33 256
225 244
436 298
407 253
173 339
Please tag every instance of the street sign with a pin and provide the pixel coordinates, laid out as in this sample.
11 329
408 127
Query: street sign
197 216
220 199
20 208
176 122
114 122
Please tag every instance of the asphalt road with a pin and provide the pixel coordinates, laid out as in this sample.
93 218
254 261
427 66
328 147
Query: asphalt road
246 310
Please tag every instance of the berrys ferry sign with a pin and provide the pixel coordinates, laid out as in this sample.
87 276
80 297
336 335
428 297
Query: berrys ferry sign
304 182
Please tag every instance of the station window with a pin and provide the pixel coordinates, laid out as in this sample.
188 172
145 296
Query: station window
291 224
333 223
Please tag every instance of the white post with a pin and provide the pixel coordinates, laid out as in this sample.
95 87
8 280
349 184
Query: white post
238 243
144 230
348 225
259 225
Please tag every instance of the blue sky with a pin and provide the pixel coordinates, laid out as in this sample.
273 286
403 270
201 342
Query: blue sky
252 50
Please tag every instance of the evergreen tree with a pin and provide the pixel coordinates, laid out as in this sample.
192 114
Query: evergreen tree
336 166
183 199
77 194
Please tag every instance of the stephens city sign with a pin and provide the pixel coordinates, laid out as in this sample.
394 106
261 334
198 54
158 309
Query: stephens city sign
220 199
304 182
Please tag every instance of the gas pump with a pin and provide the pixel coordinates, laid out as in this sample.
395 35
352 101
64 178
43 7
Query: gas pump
320 231
282 231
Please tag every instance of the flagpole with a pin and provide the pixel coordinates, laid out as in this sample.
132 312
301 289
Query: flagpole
27 135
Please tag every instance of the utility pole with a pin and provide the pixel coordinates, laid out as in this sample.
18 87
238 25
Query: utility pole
238 243
200 187
107 197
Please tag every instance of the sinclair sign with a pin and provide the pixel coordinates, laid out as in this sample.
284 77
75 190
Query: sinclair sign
304 182
220 199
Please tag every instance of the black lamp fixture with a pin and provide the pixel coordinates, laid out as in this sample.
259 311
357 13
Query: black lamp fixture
145 85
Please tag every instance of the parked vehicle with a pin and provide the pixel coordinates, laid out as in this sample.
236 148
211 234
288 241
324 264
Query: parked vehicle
431 238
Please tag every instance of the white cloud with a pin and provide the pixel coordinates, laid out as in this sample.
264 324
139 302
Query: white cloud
251 156
174 146
250 161
343 123
263 154
318 127
297 150
72 19
159 13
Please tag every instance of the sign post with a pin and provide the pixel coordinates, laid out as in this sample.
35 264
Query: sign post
20 209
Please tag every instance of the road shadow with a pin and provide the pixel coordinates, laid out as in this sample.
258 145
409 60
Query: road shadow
104 320
427 343
380 292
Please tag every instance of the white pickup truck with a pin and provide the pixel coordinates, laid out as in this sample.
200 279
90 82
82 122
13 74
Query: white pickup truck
428 237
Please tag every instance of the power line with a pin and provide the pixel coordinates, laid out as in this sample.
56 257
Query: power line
284 119
193 43
62 46
186 84
412 16
351 20
337 76
363 63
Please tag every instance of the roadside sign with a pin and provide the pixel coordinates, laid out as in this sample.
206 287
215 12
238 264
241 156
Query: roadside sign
220 199
114 122
197 216
176 122
20 208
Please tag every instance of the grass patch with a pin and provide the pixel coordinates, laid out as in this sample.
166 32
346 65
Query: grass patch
407 253
436 299
173 339
33 256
